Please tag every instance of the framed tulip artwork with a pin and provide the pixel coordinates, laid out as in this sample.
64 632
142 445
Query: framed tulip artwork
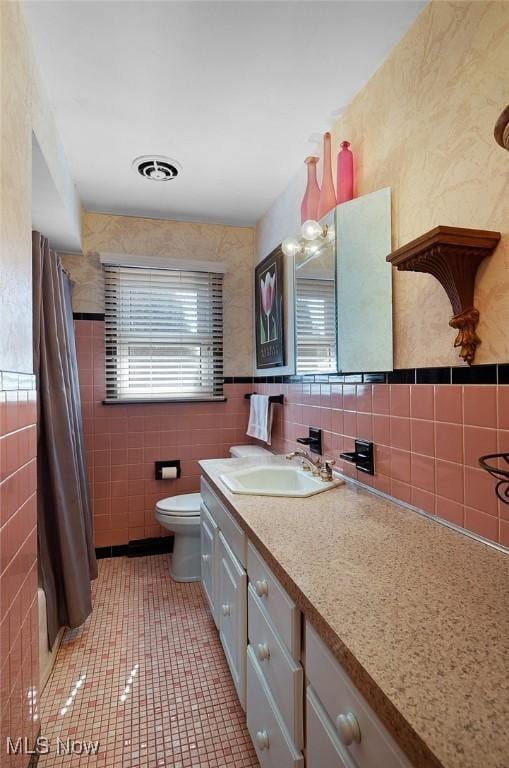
270 347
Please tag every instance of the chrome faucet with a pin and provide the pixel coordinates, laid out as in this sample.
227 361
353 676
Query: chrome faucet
308 463
319 468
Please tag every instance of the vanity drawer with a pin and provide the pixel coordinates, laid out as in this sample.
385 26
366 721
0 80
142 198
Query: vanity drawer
273 744
348 710
283 675
209 559
283 612
322 744
232 532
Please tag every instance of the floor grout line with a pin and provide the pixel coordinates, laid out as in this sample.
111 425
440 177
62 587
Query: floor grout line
155 688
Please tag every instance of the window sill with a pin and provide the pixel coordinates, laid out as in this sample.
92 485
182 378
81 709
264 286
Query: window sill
141 401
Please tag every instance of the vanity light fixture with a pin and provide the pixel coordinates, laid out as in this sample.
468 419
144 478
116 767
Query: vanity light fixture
291 247
312 230
314 236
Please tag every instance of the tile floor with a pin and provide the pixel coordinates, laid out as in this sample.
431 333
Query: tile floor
146 677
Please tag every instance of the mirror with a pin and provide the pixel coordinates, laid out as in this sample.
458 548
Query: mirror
315 305
343 291
364 283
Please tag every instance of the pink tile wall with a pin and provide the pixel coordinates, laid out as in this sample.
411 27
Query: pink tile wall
124 441
19 626
428 440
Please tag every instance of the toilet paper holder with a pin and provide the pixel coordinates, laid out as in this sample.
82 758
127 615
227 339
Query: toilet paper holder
160 465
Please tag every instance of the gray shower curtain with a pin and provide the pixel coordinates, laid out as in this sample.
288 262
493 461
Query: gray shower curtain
64 522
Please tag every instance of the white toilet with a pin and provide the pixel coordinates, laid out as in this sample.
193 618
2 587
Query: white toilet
181 516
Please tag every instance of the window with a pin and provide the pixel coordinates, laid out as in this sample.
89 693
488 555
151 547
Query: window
164 334
315 325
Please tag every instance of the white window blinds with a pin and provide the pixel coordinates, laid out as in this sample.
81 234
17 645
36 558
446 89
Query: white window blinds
164 334
315 325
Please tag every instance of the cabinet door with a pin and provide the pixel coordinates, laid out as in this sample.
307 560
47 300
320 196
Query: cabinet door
209 560
273 744
364 283
232 610
323 749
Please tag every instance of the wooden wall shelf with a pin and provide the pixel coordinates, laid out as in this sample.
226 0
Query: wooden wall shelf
452 255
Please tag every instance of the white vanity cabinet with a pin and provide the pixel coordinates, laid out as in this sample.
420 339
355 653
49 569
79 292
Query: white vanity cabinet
224 581
341 729
302 709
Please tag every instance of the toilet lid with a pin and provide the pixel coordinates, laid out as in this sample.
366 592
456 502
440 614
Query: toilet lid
185 504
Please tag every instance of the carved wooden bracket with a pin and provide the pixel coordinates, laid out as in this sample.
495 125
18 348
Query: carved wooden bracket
502 129
452 255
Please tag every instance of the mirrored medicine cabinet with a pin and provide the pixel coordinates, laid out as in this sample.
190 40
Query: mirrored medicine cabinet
343 291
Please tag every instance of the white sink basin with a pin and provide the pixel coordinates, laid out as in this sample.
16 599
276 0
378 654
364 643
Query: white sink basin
276 481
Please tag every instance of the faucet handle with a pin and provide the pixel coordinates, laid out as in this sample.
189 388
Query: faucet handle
326 469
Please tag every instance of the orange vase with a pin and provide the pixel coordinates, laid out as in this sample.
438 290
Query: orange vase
309 205
327 194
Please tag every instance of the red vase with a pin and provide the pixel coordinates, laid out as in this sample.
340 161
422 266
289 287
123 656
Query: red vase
309 205
327 193
344 183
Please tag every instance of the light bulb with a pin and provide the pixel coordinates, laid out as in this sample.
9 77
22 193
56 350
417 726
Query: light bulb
291 247
311 230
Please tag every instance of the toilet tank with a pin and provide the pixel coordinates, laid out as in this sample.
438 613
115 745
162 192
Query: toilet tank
247 451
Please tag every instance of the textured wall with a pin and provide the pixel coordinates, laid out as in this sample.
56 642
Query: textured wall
24 109
178 240
15 192
124 441
423 125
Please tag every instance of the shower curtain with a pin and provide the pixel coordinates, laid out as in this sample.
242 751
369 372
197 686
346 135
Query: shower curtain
64 522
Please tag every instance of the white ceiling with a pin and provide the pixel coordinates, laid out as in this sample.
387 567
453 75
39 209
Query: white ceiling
232 90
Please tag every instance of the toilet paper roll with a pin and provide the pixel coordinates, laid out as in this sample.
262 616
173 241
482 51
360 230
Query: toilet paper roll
169 473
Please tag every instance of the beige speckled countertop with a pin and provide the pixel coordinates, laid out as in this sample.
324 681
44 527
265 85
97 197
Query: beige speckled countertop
417 613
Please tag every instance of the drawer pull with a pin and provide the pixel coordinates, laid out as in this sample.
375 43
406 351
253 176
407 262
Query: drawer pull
262 740
205 558
348 729
263 651
225 609
262 588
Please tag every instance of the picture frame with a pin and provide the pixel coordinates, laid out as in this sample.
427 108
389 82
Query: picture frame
269 310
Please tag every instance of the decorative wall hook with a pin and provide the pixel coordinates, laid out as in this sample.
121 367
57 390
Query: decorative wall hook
452 255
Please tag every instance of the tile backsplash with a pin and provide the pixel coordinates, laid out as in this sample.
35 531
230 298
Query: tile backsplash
124 441
428 439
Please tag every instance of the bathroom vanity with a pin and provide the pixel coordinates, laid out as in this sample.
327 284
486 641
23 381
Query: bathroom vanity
359 634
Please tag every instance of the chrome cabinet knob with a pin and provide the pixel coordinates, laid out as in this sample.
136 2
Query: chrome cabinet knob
205 558
262 740
263 651
262 588
348 729
225 609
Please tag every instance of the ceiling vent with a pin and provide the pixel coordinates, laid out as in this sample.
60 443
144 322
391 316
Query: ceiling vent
156 167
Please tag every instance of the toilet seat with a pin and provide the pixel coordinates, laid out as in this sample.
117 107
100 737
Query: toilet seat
184 505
